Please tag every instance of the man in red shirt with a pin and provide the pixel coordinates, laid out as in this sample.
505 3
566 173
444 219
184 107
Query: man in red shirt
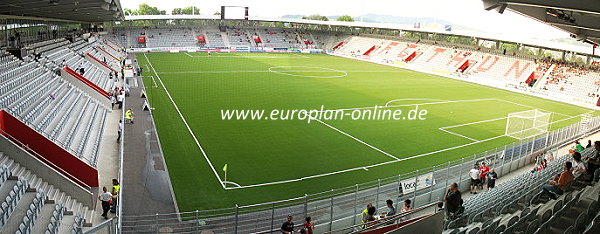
483 171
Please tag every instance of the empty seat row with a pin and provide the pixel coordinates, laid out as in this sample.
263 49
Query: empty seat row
32 213
77 227
55 220
11 200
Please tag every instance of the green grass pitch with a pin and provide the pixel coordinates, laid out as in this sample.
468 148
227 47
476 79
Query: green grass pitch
280 159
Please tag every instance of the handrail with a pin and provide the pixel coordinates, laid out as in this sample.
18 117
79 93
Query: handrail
46 161
379 223
121 152
100 226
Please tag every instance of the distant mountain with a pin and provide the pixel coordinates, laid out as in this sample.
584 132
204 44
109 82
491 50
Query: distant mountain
292 16
374 18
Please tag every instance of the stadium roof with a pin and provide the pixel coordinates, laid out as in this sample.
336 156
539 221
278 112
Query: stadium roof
76 10
581 18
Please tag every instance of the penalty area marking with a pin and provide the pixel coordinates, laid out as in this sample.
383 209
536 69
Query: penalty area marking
317 69
366 168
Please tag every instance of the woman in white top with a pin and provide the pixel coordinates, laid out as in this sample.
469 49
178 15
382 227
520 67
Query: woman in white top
105 197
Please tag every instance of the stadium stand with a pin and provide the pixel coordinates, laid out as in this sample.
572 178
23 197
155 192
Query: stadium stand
239 38
53 107
32 91
214 38
170 37
31 205
571 82
518 206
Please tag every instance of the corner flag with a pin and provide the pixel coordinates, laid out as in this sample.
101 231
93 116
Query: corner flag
225 167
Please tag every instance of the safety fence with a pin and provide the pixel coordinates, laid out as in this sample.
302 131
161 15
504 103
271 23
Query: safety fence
338 209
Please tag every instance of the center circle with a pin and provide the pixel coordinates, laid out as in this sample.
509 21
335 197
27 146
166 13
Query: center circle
309 71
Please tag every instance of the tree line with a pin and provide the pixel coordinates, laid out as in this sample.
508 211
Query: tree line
145 9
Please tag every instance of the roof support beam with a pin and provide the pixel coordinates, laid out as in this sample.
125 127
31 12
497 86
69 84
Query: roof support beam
584 6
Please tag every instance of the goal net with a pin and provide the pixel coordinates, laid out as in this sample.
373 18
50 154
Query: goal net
525 124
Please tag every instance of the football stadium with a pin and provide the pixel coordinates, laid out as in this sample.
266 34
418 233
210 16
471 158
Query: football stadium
147 116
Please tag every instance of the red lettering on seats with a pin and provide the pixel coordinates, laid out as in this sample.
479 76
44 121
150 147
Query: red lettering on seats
518 72
437 51
480 68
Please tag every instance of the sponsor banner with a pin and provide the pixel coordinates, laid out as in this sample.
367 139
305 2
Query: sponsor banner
233 49
418 183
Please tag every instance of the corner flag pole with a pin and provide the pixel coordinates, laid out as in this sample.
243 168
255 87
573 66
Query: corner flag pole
225 170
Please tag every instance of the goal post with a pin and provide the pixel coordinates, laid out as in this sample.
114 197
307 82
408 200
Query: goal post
525 124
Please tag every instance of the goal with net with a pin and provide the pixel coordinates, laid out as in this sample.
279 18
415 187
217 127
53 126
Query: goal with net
525 124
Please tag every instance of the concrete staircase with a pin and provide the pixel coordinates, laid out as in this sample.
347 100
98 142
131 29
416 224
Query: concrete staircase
54 196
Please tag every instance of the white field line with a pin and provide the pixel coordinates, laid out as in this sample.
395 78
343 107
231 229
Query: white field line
230 182
456 134
476 122
358 140
185 122
189 54
154 83
393 161
417 104
415 99
266 71
365 167
519 104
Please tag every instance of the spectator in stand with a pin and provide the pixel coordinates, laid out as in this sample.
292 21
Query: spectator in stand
557 187
483 170
405 209
453 200
543 164
288 226
593 159
308 226
550 156
578 167
492 177
589 144
370 220
579 147
365 213
474 175
391 209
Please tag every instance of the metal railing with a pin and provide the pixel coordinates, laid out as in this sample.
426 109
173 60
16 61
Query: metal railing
338 209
